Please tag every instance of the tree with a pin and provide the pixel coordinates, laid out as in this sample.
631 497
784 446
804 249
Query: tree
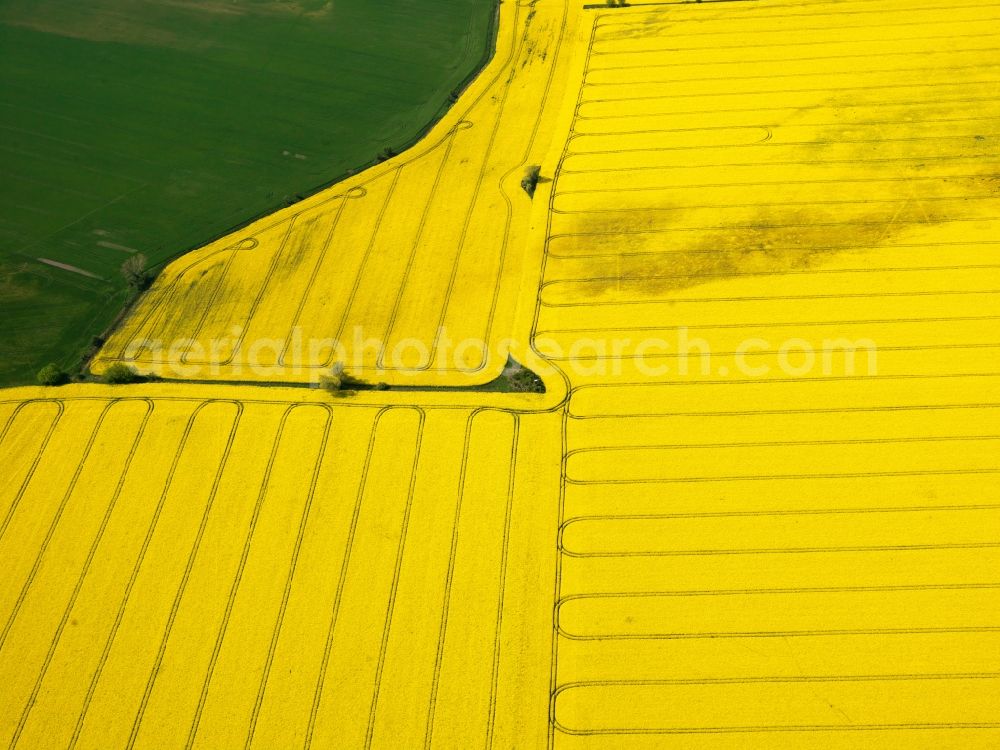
530 180
52 374
337 381
121 374
519 379
525 381
135 272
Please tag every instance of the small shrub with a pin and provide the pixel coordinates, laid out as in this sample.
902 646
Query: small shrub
526 381
52 374
386 154
338 382
520 379
530 180
121 374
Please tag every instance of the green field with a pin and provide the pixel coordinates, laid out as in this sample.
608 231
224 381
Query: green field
154 126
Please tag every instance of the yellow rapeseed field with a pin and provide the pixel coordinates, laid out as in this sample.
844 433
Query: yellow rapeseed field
229 571
757 507
427 247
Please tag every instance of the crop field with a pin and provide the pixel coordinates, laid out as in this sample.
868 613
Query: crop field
756 507
219 573
790 557
151 126
418 249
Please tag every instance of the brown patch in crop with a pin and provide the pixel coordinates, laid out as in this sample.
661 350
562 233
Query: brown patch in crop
660 251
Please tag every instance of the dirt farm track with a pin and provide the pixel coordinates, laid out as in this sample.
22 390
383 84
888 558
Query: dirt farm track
710 544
